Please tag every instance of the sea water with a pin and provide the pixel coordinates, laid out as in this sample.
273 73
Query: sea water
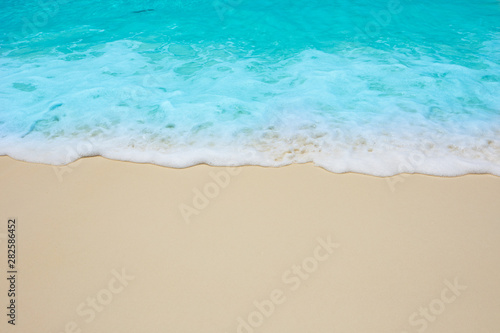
371 86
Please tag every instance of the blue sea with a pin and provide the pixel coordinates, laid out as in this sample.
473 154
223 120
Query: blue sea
377 87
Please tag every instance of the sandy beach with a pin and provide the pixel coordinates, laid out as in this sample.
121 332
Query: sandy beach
110 246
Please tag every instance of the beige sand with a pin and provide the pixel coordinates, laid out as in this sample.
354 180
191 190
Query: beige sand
103 247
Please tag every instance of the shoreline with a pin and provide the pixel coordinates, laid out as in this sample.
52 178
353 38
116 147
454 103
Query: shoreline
205 164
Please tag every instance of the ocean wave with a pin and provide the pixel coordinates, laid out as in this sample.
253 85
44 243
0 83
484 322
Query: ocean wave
362 109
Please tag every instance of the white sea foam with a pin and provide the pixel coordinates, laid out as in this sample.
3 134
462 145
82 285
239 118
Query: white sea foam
362 110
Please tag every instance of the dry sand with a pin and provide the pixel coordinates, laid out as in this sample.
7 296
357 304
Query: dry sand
104 247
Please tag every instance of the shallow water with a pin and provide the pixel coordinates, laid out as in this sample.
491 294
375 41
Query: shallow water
377 87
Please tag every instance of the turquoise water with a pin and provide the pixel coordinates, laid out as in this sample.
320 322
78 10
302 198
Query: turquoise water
377 87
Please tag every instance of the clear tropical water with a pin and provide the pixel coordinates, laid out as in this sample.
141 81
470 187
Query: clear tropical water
372 86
